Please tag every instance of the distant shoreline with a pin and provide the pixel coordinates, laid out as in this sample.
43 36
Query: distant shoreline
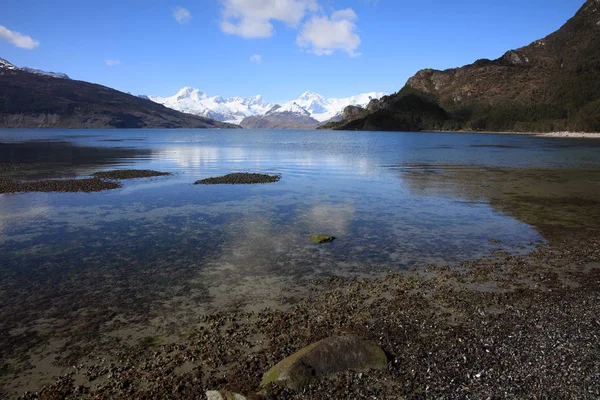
562 134
577 135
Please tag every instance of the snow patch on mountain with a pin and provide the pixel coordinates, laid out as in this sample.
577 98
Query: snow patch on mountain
6 65
46 73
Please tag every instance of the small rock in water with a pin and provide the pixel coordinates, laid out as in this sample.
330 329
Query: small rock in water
320 238
328 356
218 395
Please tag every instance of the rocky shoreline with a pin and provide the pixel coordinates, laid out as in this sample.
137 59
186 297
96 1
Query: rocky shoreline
509 326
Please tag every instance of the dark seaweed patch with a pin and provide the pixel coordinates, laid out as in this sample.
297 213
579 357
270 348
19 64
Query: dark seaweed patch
239 178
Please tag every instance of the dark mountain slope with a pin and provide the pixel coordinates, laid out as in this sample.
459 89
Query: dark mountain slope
29 100
553 84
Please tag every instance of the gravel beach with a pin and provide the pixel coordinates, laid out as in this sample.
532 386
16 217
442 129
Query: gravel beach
510 326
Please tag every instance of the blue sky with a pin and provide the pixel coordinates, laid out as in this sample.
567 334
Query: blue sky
337 48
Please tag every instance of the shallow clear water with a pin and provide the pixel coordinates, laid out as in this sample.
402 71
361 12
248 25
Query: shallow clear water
392 199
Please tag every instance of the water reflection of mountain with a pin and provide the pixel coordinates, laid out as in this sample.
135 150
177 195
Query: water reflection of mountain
63 158
561 196
200 157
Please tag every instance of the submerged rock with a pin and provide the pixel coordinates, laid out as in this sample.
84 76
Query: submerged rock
4 167
321 238
219 395
328 356
239 178
129 174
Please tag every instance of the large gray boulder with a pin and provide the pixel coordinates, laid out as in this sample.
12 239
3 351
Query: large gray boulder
328 356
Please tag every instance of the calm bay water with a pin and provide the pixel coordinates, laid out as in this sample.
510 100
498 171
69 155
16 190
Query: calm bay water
163 249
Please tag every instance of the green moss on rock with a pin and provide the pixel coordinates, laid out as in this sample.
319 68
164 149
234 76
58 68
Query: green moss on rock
328 356
321 238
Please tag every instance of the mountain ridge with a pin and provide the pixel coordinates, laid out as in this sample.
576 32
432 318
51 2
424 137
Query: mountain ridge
232 109
552 84
47 73
288 116
34 100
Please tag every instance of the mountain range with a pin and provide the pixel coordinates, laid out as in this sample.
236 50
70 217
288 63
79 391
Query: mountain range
38 99
236 109
231 109
289 116
553 84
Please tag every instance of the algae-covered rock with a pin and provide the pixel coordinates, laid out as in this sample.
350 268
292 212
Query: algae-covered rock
320 238
219 395
57 185
129 174
328 356
238 178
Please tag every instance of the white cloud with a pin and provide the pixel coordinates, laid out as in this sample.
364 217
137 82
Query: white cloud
256 58
182 15
253 18
112 63
18 39
323 35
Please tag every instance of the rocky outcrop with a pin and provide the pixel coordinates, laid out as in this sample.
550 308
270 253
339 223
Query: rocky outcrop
352 112
328 356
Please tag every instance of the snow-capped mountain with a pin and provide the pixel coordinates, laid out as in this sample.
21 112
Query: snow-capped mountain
293 108
47 73
232 109
235 109
323 109
289 116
